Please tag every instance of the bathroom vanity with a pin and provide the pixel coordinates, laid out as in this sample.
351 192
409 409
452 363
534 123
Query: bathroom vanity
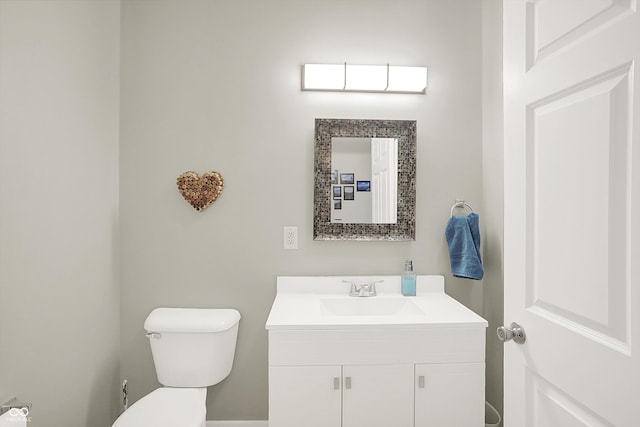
387 360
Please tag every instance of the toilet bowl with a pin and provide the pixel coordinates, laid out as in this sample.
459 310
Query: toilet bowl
167 406
192 349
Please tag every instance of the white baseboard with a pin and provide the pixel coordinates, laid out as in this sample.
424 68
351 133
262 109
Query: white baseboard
238 423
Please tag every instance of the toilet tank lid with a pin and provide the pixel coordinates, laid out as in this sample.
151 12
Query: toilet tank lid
194 320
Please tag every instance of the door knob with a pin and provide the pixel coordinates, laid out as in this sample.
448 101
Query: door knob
515 333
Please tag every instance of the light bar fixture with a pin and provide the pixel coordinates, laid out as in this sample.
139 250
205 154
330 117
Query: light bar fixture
364 78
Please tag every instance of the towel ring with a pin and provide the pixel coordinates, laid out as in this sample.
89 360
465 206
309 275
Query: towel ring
460 204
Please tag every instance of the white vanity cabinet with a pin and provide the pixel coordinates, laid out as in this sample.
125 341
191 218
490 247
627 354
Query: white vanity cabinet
393 362
377 396
422 377
335 396
305 396
449 394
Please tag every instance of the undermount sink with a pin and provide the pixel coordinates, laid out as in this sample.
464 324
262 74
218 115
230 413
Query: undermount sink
369 306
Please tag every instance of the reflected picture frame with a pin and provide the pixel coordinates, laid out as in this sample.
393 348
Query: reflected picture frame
337 192
349 192
363 185
346 178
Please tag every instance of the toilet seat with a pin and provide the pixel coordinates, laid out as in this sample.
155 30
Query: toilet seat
167 407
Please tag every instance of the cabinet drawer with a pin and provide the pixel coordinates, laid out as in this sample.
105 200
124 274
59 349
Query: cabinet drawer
380 346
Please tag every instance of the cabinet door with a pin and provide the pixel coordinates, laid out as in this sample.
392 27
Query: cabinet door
305 396
378 396
450 395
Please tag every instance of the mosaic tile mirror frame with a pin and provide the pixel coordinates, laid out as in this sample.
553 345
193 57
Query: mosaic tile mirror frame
405 132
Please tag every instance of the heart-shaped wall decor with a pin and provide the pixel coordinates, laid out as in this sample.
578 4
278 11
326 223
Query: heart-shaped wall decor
200 191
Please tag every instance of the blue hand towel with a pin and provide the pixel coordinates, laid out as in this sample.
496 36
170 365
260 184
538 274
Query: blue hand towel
463 238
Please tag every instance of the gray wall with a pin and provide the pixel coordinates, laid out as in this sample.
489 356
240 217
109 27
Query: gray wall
216 85
59 288
493 194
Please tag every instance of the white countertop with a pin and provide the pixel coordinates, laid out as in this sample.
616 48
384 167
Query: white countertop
298 304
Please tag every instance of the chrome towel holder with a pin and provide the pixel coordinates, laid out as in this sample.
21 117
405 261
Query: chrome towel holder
461 204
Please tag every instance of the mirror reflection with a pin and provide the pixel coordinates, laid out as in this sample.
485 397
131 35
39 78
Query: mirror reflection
364 180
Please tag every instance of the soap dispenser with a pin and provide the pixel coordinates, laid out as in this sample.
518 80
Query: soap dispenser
408 280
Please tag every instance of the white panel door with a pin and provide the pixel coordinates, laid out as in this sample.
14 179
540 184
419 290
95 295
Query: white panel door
572 205
308 396
378 396
449 395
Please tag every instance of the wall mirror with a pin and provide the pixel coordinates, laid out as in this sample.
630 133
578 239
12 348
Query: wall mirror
364 179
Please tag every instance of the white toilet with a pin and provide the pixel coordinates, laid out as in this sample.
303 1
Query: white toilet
192 349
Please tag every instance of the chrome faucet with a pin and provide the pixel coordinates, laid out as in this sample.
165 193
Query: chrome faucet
366 290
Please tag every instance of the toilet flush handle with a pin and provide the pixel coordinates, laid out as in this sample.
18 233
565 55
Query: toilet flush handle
154 335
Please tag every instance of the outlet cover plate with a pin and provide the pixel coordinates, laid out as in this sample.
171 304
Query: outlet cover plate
290 236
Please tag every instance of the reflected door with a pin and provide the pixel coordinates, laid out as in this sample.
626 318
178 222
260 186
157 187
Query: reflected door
384 180
572 201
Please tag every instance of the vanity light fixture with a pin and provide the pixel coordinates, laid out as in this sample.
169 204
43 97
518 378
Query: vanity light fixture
364 78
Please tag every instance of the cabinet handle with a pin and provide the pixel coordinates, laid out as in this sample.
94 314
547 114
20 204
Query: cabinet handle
421 381
347 382
336 383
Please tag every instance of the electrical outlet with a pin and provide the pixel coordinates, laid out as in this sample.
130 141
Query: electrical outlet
290 237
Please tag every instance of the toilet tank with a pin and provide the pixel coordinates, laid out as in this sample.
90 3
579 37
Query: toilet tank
192 347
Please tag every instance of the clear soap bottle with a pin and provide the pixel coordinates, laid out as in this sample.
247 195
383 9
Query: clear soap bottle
408 280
